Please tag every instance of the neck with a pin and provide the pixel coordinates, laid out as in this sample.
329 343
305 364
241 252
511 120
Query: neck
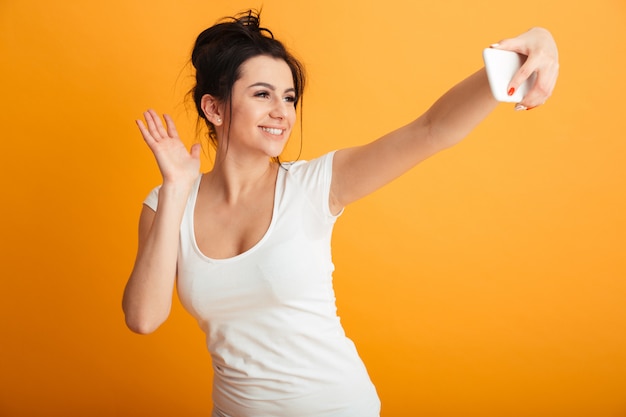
232 179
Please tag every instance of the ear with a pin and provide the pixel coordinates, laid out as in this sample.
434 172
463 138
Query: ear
213 110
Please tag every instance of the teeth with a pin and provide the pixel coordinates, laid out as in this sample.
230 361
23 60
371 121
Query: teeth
272 130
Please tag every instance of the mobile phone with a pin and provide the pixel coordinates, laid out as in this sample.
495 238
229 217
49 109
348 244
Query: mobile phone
501 66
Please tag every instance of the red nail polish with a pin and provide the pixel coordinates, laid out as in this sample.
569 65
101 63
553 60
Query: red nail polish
511 91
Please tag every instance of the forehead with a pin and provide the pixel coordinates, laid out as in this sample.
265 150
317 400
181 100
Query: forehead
268 70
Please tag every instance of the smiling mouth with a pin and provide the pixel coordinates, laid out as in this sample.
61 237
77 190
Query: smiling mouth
273 131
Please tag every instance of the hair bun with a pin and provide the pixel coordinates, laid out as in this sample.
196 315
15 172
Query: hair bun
251 20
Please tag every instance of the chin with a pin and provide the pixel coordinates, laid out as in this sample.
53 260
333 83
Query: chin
275 153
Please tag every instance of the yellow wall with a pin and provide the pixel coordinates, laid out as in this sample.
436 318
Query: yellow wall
489 281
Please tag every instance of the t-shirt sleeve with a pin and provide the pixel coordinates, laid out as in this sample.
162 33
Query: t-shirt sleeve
315 178
152 199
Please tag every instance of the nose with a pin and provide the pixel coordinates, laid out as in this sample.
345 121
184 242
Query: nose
279 110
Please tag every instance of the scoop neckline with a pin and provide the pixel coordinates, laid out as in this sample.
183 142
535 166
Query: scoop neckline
251 249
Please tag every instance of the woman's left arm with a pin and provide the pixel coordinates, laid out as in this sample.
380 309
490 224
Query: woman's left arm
360 170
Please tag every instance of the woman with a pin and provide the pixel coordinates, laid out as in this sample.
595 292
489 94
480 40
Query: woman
248 243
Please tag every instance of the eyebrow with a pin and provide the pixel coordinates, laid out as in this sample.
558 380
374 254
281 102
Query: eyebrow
271 87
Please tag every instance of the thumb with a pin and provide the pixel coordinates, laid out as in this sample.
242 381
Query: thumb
512 44
195 150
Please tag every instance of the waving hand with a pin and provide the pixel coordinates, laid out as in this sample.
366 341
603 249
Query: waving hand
175 162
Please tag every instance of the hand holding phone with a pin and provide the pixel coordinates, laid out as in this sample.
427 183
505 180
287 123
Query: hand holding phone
501 66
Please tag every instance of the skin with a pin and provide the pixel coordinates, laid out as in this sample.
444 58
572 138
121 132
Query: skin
235 199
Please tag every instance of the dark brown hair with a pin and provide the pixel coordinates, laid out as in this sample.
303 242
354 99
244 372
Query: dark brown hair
219 52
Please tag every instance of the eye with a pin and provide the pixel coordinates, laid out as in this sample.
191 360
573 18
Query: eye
290 99
262 94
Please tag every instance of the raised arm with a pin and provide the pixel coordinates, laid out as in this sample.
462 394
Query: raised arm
148 294
358 171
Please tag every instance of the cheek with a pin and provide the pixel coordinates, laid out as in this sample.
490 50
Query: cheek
292 116
242 117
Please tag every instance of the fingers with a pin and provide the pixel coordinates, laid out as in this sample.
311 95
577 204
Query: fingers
546 69
153 130
155 126
541 91
171 126
145 133
540 47
532 98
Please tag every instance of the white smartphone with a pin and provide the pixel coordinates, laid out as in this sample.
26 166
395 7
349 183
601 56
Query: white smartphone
501 66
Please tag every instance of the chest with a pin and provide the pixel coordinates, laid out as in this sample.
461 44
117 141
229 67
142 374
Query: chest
224 230
288 263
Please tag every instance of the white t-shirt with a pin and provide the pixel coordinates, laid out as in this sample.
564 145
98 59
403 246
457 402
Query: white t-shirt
269 314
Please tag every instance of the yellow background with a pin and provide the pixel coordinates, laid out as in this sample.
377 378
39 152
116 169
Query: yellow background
489 281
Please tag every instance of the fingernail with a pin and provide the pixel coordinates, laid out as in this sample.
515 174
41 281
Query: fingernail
494 45
511 91
519 107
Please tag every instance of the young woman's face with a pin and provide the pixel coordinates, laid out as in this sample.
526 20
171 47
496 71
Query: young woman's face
263 108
